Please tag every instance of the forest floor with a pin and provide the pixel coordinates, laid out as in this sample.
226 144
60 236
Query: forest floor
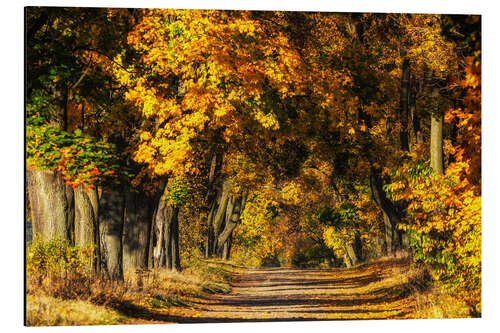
378 290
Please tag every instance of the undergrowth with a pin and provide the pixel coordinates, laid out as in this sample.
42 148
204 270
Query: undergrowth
430 298
63 290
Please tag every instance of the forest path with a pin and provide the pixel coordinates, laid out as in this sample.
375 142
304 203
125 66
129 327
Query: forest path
369 291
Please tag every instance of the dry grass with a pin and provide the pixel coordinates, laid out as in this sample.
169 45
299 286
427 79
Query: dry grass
425 297
429 298
51 311
103 302
436 303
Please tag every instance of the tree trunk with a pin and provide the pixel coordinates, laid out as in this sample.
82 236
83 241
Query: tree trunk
159 231
157 237
167 243
216 218
417 128
139 208
358 247
388 209
351 254
226 252
234 209
437 144
155 233
389 234
174 240
70 214
403 105
347 260
93 195
86 221
112 209
166 247
212 198
209 249
220 215
51 205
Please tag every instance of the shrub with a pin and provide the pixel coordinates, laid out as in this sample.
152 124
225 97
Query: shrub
444 227
58 269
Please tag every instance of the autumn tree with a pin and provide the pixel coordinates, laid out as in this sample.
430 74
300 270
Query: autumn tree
70 96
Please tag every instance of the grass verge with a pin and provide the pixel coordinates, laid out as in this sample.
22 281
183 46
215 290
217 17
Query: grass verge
146 291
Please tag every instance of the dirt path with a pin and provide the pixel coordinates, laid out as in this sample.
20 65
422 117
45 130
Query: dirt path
366 292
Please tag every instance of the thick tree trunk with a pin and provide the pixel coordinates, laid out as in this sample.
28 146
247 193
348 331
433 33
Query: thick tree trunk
226 251
166 247
216 218
112 209
157 238
212 198
220 215
155 233
234 209
51 205
139 208
86 221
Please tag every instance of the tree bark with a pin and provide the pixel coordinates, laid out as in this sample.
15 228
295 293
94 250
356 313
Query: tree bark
417 128
166 247
209 249
86 221
388 234
226 252
139 208
154 233
351 254
158 234
437 144
220 215
391 214
174 240
112 209
436 149
234 209
358 246
70 215
51 205
217 216
403 105
212 198
347 260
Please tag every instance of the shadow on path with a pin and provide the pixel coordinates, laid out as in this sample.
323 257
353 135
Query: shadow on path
275 294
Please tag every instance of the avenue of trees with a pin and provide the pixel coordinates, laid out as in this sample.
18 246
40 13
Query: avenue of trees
265 137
